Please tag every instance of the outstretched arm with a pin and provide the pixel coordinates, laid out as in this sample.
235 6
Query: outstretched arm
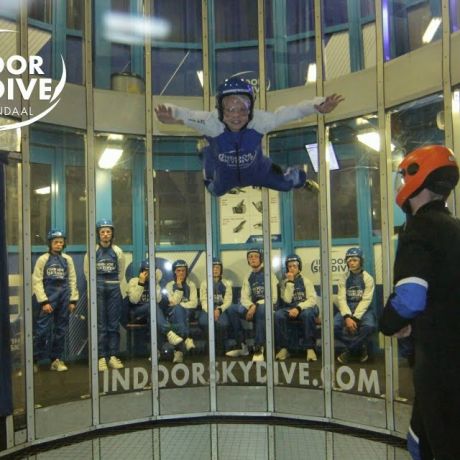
330 103
165 115
263 122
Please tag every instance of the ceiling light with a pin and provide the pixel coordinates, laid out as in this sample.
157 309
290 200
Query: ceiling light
311 73
199 74
456 101
109 157
372 140
431 30
43 190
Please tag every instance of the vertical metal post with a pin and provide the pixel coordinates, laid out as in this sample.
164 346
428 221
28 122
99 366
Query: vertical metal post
386 205
325 224
209 219
91 212
151 215
27 238
266 232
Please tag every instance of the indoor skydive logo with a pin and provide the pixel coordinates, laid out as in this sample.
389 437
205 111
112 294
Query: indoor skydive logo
14 90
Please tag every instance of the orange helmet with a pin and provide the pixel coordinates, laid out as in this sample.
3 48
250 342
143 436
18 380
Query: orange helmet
433 167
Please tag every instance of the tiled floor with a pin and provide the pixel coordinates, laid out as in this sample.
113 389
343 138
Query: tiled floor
233 441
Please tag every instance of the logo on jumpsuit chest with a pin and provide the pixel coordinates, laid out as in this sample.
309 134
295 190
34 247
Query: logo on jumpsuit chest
233 160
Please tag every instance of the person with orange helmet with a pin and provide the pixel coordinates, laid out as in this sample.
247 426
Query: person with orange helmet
425 298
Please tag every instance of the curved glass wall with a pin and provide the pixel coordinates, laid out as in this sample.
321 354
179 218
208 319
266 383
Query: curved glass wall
181 321
297 335
163 376
60 315
354 150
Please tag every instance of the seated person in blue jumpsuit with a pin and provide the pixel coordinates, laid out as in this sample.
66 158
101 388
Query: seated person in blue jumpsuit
222 300
54 284
233 156
110 270
182 303
138 293
299 302
355 322
252 307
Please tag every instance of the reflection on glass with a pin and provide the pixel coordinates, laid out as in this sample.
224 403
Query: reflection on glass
117 56
350 37
290 52
40 202
235 22
75 205
42 10
180 57
454 15
412 125
45 17
411 25
356 263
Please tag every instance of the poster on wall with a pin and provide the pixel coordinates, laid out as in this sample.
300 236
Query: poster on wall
241 216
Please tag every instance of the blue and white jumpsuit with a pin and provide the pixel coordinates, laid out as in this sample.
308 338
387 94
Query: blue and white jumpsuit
299 293
354 296
139 298
236 159
253 292
54 281
223 295
110 269
183 302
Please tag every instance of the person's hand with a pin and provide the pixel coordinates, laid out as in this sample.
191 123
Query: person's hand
72 307
404 332
251 312
180 279
143 276
351 325
164 114
290 276
47 308
293 313
216 314
330 103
